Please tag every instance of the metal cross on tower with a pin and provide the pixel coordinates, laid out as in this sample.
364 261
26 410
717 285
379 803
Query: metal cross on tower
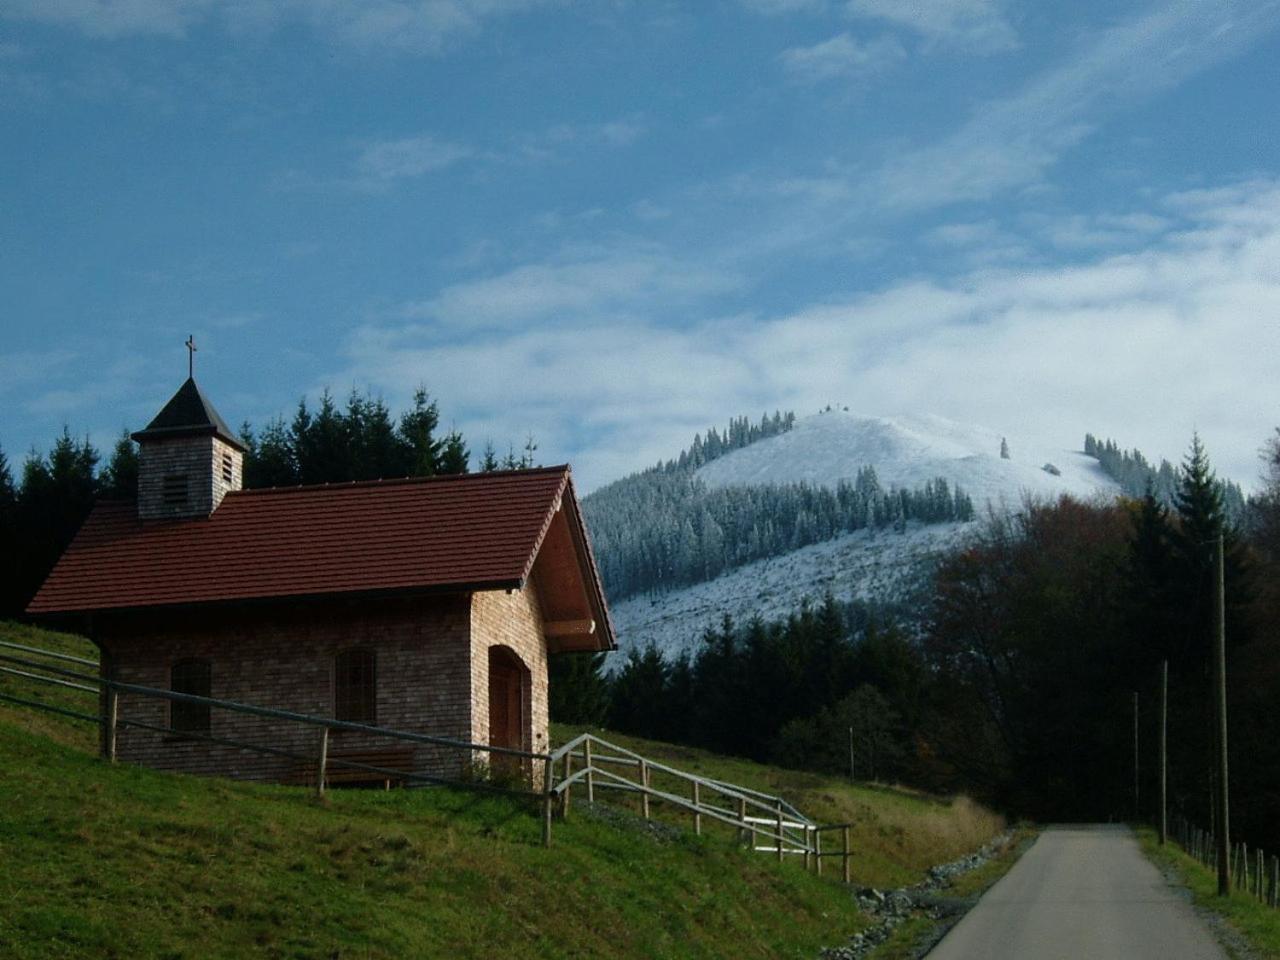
191 356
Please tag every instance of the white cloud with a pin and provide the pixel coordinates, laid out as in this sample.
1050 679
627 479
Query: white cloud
1011 142
385 161
774 7
420 25
841 57
110 19
1145 347
549 143
619 281
978 26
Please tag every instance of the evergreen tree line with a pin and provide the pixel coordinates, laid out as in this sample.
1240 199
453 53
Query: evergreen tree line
363 442
740 433
667 530
1136 475
1017 684
785 692
43 507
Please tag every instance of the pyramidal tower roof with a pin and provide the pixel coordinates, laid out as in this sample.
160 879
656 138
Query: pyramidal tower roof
188 414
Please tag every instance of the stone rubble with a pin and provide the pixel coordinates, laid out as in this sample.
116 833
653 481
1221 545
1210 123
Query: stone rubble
892 907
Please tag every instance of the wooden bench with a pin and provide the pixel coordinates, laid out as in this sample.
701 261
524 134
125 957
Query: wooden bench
398 759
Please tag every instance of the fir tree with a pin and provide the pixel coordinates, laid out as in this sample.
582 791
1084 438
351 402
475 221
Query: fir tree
120 478
489 458
454 458
1004 449
417 429
577 692
271 460
526 455
8 493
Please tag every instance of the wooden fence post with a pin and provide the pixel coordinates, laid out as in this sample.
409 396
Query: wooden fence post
817 849
697 812
591 777
808 840
742 818
644 788
113 722
1275 881
323 764
848 878
779 831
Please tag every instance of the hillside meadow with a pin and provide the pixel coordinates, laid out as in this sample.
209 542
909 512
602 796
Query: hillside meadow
119 861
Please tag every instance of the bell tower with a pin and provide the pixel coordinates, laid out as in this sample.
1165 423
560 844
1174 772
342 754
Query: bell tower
188 459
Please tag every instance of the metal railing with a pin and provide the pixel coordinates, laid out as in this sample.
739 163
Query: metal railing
765 823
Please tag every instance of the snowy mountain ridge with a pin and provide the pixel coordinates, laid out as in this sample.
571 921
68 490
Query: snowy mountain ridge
907 451
830 447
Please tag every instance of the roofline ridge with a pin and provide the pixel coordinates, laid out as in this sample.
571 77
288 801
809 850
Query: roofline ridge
563 468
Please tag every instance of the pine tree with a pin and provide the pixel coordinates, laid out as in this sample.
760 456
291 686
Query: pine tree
1004 449
417 430
377 450
489 459
8 492
120 478
455 457
271 458
577 690
1201 519
526 456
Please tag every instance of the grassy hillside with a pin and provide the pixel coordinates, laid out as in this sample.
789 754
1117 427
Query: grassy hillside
126 862
897 833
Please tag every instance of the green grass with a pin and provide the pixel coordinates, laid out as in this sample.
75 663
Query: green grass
1257 923
897 833
120 861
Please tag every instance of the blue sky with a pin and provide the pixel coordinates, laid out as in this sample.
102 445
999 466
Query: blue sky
610 224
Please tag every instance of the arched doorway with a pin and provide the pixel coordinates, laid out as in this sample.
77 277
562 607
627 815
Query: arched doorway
509 684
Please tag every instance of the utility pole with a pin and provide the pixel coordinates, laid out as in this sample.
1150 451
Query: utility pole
1164 751
1220 734
1137 806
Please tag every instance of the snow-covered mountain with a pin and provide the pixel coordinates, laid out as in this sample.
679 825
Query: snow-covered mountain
882 565
908 451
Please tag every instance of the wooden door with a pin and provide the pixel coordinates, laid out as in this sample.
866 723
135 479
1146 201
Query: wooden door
507 712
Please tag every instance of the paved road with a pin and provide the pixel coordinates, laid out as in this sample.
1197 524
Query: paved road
1081 893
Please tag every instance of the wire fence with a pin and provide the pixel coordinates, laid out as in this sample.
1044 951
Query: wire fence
1252 872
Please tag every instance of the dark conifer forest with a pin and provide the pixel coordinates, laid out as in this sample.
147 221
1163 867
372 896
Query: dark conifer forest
1014 676
1010 675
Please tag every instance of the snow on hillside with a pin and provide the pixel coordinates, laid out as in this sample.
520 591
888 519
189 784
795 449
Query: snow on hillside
908 451
870 564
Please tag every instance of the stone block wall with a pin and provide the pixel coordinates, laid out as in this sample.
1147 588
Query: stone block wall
513 620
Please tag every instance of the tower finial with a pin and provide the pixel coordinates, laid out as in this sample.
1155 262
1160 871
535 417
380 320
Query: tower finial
191 356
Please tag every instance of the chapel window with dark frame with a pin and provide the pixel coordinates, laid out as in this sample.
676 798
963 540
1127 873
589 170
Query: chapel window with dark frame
192 677
355 686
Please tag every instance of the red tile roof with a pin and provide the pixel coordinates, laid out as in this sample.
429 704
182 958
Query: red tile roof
480 531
